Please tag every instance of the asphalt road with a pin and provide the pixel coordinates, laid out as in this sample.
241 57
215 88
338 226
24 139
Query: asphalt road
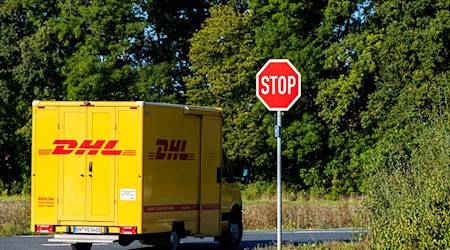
250 240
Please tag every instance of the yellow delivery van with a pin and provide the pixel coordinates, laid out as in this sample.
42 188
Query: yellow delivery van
122 171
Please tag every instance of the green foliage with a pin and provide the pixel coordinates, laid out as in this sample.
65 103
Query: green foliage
224 67
372 73
78 50
409 199
96 39
260 190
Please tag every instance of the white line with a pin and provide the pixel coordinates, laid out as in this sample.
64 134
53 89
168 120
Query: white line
55 245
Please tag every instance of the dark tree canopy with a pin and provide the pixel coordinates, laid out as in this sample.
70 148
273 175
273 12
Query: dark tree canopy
373 73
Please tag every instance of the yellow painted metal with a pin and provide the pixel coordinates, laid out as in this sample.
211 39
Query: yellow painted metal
171 181
44 172
136 164
211 149
100 178
129 171
230 196
71 168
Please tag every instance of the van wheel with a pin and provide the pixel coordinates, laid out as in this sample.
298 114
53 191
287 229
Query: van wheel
233 236
81 246
125 240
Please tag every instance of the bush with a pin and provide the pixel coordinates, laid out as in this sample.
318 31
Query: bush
267 190
260 191
409 199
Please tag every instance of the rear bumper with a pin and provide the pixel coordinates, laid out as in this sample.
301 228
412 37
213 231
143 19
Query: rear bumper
84 238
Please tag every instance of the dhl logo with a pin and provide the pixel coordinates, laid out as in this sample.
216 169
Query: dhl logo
89 147
171 150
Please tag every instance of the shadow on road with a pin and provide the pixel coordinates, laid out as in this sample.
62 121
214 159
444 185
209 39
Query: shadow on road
213 245
244 245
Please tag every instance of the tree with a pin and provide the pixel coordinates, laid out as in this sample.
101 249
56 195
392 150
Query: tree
96 40
27 72
168 27
223 71
393 75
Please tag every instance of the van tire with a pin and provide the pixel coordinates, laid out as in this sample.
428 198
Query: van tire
81 246
125 240
233 236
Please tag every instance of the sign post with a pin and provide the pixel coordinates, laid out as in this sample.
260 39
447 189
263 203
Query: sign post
278 87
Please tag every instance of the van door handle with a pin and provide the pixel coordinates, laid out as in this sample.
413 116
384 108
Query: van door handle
90 169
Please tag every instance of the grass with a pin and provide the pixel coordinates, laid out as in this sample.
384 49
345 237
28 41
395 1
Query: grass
342 202
257 214
261 216
320 246
14 198
14 217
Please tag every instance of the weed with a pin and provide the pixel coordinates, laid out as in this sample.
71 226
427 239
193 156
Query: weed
14 218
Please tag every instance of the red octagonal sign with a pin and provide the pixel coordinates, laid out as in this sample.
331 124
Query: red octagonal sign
278 85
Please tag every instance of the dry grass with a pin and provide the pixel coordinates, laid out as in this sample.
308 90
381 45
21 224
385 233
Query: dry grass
14 218
304 216
321 246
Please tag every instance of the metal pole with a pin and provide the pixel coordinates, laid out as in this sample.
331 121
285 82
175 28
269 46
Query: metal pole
279 211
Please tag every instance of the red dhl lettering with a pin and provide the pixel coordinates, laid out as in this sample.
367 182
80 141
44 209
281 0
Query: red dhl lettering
171 150
89 147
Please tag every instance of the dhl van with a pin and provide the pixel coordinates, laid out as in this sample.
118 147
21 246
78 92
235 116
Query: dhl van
122 171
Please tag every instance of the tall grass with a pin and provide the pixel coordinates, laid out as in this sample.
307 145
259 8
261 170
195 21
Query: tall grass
304 216
320 246
14 218
15 215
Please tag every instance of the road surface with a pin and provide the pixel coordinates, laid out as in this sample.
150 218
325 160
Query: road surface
250 240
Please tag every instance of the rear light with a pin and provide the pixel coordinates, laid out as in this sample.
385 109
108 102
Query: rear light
44 229
128 230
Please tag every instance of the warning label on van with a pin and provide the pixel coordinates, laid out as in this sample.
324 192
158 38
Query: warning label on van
127 194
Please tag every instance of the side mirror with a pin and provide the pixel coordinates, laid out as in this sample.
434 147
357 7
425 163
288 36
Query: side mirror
245 173
245 178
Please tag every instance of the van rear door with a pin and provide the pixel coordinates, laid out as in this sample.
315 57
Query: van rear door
87 161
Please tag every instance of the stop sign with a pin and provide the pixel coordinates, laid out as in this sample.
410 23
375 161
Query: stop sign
278 84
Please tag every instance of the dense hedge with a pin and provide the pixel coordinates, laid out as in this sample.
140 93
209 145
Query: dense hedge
410 199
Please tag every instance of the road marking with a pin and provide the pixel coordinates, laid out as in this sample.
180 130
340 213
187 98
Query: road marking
55 245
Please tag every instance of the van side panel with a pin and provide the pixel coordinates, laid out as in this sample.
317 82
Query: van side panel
171 169
210 168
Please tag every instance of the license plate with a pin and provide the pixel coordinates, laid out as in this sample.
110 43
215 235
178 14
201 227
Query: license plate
87 230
